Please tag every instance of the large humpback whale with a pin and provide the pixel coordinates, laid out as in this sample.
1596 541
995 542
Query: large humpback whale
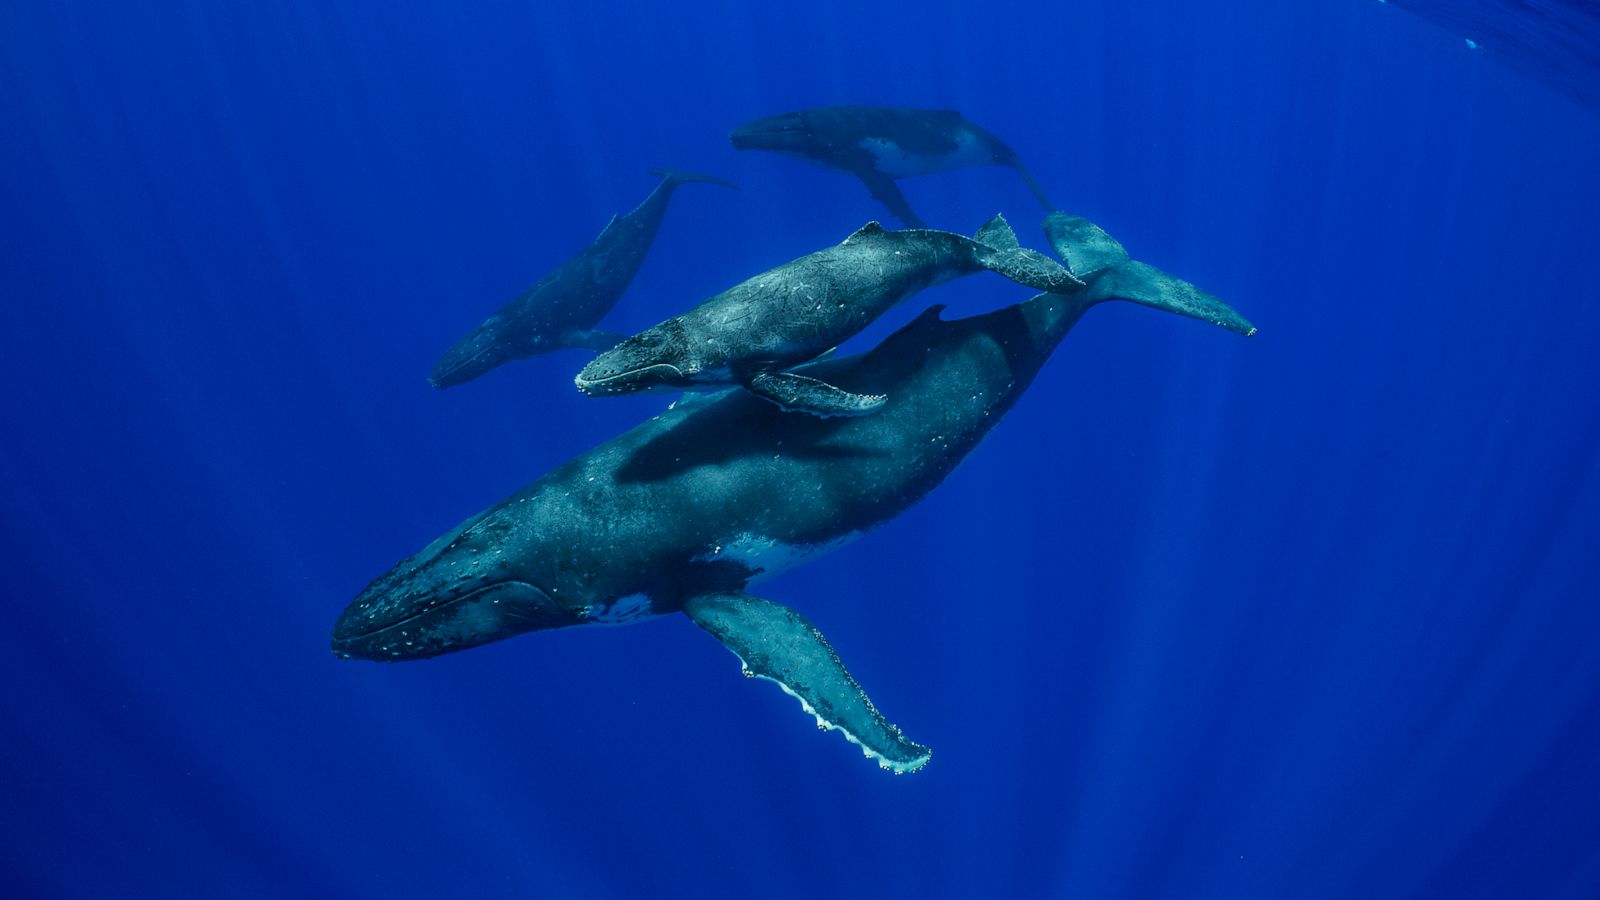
562 308
687 511
879 144
753 332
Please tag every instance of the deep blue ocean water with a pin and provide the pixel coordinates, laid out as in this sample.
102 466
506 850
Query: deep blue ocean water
1311 614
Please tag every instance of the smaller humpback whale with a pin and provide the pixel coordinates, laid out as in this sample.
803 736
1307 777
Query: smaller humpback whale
1100 260
879 144
561 309
754 331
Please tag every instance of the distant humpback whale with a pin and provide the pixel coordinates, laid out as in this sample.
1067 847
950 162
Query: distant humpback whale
687 511
879 144
752 333
562 308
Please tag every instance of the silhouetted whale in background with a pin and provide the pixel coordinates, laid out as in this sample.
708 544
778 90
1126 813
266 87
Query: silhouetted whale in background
753 332
879 144
686 511
565 305
1554 41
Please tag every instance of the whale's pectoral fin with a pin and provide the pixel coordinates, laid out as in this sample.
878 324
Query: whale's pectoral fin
797 393
885 191
776 643
598 341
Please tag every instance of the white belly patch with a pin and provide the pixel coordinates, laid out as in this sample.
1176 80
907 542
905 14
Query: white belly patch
622 611
766 557
895 162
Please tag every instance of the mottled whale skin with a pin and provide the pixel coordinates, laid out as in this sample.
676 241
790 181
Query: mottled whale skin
753 332
561 309
689 509
879 144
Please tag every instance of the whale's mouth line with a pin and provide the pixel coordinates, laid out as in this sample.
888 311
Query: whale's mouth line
438 376
443 606
588 384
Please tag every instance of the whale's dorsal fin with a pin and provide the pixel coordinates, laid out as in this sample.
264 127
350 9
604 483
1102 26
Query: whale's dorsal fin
776 643
797 393
868 230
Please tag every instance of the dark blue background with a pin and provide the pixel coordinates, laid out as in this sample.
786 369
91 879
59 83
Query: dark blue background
1307 615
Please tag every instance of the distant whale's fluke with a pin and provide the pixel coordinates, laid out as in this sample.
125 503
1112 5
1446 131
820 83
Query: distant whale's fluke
1111 274
879 144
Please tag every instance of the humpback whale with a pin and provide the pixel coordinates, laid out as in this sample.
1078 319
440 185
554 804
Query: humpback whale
690 510
753 332
562 308
879 144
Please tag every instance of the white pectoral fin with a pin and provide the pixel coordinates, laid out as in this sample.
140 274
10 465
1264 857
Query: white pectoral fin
776 643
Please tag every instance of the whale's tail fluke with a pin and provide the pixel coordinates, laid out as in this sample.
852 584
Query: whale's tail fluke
1100 260
675 177
1001 253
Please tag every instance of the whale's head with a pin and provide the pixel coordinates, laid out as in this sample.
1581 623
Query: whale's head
496 341
463 590
657 359
788 133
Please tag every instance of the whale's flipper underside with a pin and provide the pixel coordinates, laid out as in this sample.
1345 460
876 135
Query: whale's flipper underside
776 643
797 393
885 191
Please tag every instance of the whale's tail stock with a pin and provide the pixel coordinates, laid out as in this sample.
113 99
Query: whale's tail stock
1097 258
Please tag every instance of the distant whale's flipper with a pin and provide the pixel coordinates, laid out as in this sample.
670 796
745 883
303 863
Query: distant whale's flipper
797 393
1082 245
780 645
1100 259
678 177
598 341
1032 185
885 191
1001 253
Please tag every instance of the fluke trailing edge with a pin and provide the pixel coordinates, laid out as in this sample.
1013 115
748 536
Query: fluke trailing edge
1099 259
689 510
754 332
879 144
562 308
